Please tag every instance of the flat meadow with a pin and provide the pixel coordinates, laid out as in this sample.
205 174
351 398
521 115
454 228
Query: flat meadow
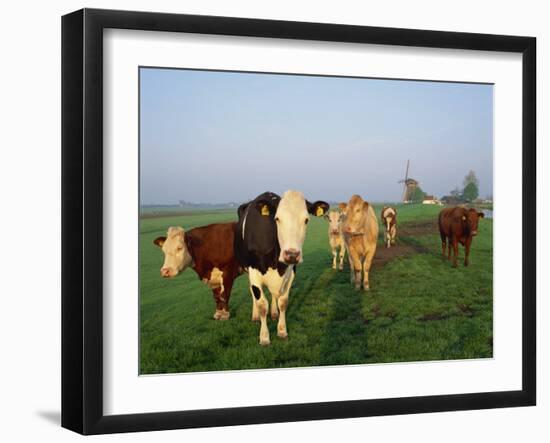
419 308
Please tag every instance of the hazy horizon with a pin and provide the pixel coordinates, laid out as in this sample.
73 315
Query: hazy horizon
217 137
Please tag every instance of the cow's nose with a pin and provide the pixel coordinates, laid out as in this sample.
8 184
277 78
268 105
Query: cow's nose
291 256
165 272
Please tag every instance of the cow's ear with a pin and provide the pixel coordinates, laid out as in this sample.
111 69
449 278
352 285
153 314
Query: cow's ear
343 206
365 205
318 208
267 208
159 241
480 214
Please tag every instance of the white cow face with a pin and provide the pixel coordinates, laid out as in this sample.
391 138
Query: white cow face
292 217
334 218
176 254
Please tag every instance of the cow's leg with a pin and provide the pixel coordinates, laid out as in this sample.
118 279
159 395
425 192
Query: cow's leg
467 251
366 268
221 296
393 234
342 255
334 255
356 267
282 301
255 314
351 271
444 244
227 285
219 304
260 302
222 311
273 307
455 252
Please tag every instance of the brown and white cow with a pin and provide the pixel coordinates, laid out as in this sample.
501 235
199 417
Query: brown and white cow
336 238
389 220
360 229
209 251
458 225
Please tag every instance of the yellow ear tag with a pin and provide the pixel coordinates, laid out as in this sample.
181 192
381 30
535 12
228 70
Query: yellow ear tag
463 217
319 211
265 210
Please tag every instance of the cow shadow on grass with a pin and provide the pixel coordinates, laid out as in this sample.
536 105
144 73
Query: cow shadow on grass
326 306
326 294
348 329
345 337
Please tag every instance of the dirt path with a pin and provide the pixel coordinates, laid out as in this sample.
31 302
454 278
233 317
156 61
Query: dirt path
413 229
402 248
384 255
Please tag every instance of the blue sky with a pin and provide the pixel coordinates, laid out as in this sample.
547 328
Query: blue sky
221 136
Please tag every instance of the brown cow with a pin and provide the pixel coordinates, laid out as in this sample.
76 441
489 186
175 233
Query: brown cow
458 225
209 251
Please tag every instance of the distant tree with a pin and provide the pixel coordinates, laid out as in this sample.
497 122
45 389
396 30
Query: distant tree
417 195
456 192
470 178
470 192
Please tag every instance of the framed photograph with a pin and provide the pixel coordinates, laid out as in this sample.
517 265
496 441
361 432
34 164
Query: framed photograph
269 221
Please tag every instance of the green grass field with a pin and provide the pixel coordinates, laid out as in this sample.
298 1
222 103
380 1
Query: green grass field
418 308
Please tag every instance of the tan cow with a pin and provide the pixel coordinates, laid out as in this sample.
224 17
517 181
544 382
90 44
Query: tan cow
336 238
389 219
360 228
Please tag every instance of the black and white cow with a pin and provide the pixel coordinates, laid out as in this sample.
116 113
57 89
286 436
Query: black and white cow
268 243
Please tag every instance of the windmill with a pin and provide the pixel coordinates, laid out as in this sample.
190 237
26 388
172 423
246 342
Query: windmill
409 185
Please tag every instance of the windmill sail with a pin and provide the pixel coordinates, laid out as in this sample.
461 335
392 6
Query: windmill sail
404 198
409 185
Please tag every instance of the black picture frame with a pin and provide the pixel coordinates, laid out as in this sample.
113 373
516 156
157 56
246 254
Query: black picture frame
82 219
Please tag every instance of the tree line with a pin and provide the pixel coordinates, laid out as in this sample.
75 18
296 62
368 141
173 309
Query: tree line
469 191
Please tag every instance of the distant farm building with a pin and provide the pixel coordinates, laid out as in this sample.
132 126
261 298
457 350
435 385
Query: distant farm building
431 200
